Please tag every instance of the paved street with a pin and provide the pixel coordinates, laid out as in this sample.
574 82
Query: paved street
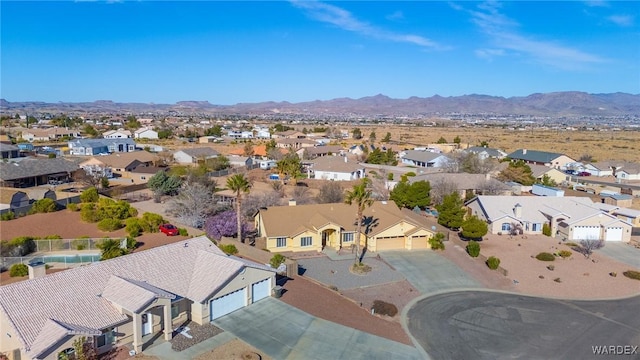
622 252
284 332
486 325
429 272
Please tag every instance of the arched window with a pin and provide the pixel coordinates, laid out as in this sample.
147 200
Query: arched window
67 354
506 226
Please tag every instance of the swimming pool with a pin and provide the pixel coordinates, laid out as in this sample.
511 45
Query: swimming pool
71 259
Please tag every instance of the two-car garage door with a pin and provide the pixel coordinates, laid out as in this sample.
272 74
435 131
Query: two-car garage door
236 300
586 233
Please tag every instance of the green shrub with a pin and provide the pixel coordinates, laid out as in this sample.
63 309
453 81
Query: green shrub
571 244
73 207
384 308
9 215
45 205
546 229
152 222
110 224
631 274
134 227
493 262
564 253
88 213
545 256
228 249
277 260
183 232
132 243
437 241
52 237
20 246
18 270
90 195
473 248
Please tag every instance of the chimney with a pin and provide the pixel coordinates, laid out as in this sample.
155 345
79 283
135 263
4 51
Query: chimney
292 202
517 211
524 151
37 269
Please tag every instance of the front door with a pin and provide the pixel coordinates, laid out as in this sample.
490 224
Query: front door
147 324
325 236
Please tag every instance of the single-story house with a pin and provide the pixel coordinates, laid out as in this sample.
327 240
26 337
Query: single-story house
145 133
131 299
466 183
420 158
604 168
100 146
117 134
120 164
294 143
622 200
8 151
194 155
629 171
54 133
318 151
569 218
312 227
337 168
484 152
209 139
539 171
36 171
545 158
237 161
268 164
290 134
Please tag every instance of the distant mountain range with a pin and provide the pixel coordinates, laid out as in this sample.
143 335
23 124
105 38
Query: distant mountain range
556 104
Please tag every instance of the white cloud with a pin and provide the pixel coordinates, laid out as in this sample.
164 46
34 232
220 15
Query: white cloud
622 20
489 54
395 16
345 20
504 34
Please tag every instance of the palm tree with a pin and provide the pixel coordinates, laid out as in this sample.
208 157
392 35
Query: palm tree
361 197
238 184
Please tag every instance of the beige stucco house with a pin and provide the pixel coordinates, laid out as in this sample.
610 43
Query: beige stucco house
126 300
312 227
549 159
569 218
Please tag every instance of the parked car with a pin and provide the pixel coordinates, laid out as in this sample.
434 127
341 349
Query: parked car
169 230
571 172
584 173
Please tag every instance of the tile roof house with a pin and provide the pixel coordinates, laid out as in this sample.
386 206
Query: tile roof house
319 151
312 227
338 168
117 134
294 143
569 218
194 155
48 134
8 151
539 171
118 301
555 160
123 164
36 171
422 158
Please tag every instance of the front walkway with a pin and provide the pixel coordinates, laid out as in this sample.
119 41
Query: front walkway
622 252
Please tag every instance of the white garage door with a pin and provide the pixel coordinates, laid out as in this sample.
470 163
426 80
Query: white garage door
260 290
614 234
586 233
228 303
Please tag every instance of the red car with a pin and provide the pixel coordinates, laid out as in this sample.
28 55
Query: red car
584 173
169 229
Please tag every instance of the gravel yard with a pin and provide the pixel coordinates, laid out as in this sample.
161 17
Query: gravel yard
399 293
336 272
233 350
198 334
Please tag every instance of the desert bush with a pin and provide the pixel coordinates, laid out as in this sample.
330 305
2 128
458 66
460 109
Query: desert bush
571 244
109 224
183 232
90 195
557 280
73 207
88 213
546 229
132 243
45 205
18 270
564 253
9 215
384 308
545 256
493 262
228 249
631 274
277 260
473 248
551 267
437 241
151 222
360 268
133 227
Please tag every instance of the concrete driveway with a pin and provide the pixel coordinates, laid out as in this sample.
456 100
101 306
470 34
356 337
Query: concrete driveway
429 272
284 332
489 325
622 252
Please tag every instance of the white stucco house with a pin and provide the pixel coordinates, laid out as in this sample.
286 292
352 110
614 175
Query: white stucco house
420 158
337 168
194 155
145 133
117 134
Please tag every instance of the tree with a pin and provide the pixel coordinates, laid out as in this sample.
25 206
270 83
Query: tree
82 350
104 182
110 249
586 158
372 137
474 228
90 131
442 140
437 241
457 140
379 157
441 188
547 181
218 163
290 165
410 195
330 192
302 195
193 204
357 133
132 123
90 195
484 143
386 138
214 131
254 202
164 133
587 246
224 224
248 149
238 184
518 171
163 184
359 196
451 211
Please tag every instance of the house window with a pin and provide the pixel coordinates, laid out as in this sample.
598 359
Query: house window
175 310
106 338
306 241
537 227
281 242
347 237
67 353
506 226
143 178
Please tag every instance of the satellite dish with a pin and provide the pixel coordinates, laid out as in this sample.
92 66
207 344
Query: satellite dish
433 227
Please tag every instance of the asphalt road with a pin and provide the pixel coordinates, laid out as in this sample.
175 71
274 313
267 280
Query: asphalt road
488 325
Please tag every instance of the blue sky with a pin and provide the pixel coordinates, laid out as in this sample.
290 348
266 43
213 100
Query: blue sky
233 52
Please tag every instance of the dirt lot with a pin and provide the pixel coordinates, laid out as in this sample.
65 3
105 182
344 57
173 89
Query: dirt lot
233 350
399 294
